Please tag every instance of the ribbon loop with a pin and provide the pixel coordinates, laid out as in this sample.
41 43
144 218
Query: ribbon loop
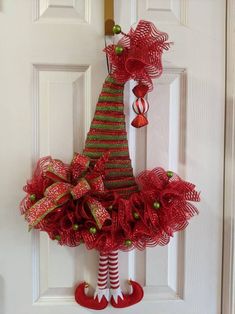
57 171
97 184
58 192
82 188
39 210
98 211
76 180
79 165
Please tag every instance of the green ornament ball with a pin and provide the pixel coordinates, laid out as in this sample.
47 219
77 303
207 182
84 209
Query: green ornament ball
93 230
156 205
128 242
170 174
119 50
117 29
75 227
58 237
32 197
136 215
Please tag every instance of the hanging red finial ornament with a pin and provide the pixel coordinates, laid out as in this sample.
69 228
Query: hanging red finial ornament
140 106
138 56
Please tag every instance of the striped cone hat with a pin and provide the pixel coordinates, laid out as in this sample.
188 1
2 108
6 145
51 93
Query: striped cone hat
108 134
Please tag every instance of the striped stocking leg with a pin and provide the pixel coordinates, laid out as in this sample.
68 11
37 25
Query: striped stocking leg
101 289
101 296
115 288
118 299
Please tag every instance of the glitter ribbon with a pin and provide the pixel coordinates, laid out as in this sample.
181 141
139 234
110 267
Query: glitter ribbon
75 181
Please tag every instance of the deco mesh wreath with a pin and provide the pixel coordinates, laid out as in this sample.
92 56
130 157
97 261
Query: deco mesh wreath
96 200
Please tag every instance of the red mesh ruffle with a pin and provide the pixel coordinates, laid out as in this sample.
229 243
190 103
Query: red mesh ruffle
141 58
134 223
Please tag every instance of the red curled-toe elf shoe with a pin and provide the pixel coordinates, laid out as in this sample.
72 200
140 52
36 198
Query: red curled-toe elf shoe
87 301
129 299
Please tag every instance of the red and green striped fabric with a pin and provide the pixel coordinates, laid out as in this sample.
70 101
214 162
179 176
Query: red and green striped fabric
108 133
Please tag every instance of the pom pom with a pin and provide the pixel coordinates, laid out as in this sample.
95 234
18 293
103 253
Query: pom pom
128 242
93 230
156 205
136 215
119 50
117 29
75 227
170 174
32 197
58 237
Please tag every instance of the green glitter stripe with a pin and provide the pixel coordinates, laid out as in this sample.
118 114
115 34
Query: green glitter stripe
108 145
119 174
109 108
112 90
108 118
126 192
111 98
107 126
106 137
118 166
120 183
99 154
120 153
112 80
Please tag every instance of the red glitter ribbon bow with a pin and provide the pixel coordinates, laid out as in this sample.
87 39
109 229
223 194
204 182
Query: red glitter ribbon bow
77 181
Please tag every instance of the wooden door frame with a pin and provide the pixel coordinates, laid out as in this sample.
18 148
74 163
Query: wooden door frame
228 287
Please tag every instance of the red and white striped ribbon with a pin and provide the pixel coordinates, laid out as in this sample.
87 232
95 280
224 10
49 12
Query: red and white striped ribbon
113 270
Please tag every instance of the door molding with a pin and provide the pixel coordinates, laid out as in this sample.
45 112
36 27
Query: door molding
228 291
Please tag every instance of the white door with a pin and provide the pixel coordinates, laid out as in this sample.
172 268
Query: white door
51 71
